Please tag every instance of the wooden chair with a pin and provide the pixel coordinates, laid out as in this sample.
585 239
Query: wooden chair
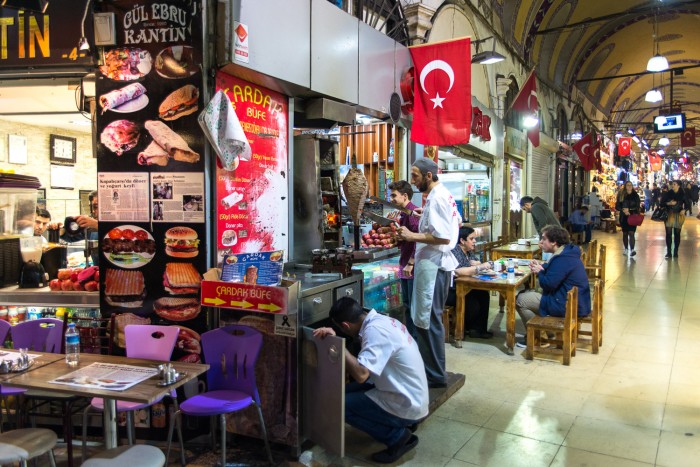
591 253
448 317
595 319
597 270
564 327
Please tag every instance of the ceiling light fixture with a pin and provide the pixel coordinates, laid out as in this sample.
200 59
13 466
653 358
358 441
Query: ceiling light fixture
661 152
658 62
653 95
486 57
530 120
664 141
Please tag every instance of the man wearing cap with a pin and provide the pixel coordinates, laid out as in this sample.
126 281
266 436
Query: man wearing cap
542 214
437 235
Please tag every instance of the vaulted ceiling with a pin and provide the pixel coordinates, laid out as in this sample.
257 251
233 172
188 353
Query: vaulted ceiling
601 47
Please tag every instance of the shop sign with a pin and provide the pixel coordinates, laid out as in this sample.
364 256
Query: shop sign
252 214
481 124
515 142
240 42
35 39
247 297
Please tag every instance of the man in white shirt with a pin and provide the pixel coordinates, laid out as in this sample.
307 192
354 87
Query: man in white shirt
437 235
390 392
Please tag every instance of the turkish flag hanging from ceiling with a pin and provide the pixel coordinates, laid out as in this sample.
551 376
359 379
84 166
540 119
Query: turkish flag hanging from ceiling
624 146
584 151
442 93
688 138
595 155
526 103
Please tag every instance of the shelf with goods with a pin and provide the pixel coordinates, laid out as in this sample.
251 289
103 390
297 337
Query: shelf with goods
363 142
381 284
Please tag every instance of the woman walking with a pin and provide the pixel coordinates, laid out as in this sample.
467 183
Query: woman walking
674 200
628 202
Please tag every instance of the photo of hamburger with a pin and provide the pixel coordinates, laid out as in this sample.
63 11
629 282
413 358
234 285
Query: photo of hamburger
181 279
124 288
177 309
181 242
181 102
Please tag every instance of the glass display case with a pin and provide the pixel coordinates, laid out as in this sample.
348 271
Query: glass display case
382 286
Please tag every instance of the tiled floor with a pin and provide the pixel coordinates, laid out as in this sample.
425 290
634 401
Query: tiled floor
636 403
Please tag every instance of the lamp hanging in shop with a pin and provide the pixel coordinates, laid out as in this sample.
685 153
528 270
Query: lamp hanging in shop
664 141
83 43
486 57
531 120
653 95
658 62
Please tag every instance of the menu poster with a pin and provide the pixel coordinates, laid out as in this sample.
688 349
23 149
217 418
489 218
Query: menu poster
252 199
150 164
107 376
177 197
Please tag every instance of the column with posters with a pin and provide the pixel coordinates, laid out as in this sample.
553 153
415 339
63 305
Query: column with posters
151 172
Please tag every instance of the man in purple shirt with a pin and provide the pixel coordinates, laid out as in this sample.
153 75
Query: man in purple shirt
401 194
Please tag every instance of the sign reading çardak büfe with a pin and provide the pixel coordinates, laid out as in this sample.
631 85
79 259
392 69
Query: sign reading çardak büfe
244 296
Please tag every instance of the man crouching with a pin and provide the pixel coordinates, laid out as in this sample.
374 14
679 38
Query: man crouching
390 392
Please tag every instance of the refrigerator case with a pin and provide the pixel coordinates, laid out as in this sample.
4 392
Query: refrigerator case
382 286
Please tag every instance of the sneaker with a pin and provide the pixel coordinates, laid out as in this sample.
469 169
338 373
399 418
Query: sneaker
668 255
625 251
521 344
633 252
395 452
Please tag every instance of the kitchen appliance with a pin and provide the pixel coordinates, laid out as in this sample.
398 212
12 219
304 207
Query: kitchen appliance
32 274
53 259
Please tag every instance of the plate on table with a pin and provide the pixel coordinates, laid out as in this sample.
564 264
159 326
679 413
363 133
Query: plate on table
523 262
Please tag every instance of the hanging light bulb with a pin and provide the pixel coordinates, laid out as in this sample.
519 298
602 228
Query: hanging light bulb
661 152
653 95
664 141
530 120
658 62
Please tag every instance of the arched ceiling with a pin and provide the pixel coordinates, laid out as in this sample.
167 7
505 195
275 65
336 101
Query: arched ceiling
601 47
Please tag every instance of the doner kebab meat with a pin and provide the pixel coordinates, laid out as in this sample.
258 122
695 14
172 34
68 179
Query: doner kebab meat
356 188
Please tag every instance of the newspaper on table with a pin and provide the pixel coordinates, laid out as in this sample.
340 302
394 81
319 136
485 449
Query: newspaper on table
107 376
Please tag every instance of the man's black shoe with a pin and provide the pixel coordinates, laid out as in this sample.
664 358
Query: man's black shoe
395 452
480 335
437 385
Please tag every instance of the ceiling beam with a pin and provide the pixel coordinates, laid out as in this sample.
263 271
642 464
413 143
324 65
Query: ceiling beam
641 73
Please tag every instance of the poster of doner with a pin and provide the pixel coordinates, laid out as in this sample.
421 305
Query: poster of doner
123 196
177 197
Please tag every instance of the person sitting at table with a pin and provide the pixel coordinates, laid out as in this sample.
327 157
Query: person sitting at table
476 303
580 223
563 271
390 393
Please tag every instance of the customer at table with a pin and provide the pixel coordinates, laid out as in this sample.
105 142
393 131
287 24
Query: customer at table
580 223
476 302
390 392
542 214
561 273
401 194
437 236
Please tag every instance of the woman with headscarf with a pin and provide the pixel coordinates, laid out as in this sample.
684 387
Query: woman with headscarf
628 202
674 200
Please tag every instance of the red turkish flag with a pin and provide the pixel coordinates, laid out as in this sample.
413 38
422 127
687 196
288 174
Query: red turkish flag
584 151
596 157
624 146
527 104
654 161
688 138
442 93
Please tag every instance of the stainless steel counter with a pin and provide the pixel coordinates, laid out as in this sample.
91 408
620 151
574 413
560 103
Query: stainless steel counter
46 297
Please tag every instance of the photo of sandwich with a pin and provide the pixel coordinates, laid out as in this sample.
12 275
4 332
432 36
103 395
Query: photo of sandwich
173 144
181 102
181 242
231 200
130 98
120 136
153 155
176 62
126 64
124 288
181 279
177 309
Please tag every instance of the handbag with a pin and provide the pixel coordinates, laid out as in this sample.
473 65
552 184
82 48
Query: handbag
660 214
635 219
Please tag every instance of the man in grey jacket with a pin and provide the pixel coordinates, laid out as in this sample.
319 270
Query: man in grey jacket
541 213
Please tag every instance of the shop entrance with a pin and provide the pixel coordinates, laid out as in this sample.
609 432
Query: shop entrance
512 177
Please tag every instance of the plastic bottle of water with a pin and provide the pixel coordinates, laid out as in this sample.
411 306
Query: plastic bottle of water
72 345
511 270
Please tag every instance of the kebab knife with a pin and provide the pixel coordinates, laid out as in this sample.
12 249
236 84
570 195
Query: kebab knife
383 221
391 205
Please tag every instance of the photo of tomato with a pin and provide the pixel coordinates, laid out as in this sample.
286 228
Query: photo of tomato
128 246
128 234
141 235
115 233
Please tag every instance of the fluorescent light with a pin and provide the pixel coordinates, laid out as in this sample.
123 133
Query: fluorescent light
653 95
635 139
487 57
657 63
576 136
618 135
631 130
664 141
530 121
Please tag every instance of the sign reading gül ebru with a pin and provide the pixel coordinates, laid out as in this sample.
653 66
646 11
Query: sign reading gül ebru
156 22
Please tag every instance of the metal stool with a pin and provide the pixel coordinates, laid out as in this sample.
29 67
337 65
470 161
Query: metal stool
27 443
142 455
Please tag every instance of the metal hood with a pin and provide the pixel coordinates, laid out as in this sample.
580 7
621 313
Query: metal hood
322 113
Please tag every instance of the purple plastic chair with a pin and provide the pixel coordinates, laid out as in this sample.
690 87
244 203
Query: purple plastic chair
232 352
7 391
39 335
149 342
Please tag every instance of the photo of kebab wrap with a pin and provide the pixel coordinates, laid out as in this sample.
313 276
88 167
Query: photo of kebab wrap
181 102
130 98
153 155
176 61
171 142
120 136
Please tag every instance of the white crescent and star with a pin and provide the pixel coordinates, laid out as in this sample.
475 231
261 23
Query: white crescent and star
430 67
687 134
533 93
583 148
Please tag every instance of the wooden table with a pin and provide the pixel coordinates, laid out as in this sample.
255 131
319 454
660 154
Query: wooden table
513 250
145 392
41 361
464 285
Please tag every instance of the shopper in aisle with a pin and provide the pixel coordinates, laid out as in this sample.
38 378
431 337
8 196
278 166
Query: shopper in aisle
674 200
390 393
647 197
694 192
542 214
401 194
688 199
438 230
627 203
655 196
556 277
476 308
580 223
595 205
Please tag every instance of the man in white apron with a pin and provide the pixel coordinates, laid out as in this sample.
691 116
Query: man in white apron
437 235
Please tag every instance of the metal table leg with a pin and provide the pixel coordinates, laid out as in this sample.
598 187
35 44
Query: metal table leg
110 423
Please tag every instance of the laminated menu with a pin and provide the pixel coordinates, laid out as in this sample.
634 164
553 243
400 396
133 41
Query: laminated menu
263 268
107 376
